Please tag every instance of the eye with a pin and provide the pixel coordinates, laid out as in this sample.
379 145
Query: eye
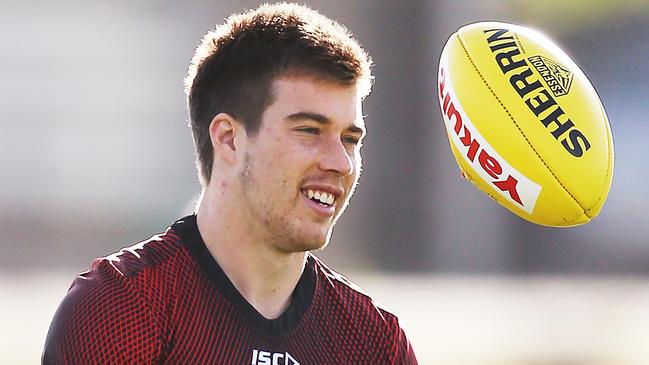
351 140
308 130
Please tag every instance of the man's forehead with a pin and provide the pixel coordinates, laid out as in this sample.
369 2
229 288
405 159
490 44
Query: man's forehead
304 97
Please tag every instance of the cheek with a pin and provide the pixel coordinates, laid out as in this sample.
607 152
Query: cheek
275 167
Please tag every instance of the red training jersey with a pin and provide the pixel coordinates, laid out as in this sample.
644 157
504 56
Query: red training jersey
167 301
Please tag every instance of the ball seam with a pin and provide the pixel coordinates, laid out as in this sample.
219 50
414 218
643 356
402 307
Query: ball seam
517 127
609 165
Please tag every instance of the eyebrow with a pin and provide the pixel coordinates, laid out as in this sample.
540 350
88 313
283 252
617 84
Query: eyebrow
320 119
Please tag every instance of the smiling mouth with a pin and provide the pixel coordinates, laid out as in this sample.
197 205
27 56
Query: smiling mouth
320 197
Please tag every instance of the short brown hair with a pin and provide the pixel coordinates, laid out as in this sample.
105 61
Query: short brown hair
234 66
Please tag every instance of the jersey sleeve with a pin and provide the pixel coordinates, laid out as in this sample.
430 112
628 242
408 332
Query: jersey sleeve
102 320
405 354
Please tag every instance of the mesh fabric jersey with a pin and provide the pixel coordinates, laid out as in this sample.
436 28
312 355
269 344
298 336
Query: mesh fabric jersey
166 301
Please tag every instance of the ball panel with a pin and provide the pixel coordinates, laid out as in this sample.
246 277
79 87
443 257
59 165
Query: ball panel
571 143
547 211
550 102
469 94
594 209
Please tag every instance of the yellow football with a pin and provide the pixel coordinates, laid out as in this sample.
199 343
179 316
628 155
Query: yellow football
524 123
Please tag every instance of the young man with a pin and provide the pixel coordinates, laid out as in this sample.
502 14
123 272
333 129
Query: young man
275 107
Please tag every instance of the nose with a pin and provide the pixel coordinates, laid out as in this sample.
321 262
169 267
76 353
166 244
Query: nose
335 157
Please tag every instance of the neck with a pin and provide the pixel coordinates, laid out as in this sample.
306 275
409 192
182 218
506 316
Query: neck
265 276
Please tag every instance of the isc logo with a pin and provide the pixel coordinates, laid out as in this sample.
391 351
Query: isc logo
272 358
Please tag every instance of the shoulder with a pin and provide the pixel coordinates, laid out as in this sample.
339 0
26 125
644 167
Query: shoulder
358 320
340 291
139 272
147 255
116 304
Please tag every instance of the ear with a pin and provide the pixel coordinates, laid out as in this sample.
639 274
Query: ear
223 130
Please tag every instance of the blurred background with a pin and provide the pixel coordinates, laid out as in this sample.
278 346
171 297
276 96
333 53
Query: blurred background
96 155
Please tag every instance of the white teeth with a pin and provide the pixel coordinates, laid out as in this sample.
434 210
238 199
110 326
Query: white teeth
321 196
330 199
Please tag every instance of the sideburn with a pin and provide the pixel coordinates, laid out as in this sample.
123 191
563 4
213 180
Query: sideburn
245 176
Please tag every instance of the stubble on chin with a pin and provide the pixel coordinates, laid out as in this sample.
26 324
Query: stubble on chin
287 233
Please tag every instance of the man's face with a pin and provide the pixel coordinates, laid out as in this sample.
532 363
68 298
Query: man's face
301 168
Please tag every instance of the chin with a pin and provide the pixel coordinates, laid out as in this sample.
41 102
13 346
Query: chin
301 235
311 245
320 247
311 242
